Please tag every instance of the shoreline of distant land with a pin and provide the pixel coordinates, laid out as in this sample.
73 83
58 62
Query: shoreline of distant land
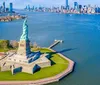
11 18
67 13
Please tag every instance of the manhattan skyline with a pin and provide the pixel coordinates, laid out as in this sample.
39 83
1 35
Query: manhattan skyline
49 3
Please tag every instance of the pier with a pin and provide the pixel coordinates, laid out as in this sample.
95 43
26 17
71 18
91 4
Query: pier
55 43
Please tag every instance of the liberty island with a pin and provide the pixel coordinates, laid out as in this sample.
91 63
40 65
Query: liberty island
28 61
24 58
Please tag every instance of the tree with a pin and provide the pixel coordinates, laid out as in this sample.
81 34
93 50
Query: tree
36 47
14 44
4 44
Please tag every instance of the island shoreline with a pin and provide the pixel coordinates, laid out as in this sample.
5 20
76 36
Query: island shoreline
55 78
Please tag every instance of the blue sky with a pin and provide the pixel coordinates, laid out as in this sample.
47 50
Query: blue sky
23 3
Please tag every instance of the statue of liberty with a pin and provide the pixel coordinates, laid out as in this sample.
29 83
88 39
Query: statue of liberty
24 36
24 44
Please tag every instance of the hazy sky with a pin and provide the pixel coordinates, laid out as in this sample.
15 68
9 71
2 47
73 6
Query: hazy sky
23 3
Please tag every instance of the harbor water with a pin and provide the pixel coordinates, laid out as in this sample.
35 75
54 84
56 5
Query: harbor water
80 33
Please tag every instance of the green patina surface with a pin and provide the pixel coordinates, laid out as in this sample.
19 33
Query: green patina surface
59 65
24 35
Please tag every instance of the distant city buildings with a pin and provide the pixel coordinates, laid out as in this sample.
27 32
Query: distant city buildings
11 8
76 5
67 6
4 9
76 9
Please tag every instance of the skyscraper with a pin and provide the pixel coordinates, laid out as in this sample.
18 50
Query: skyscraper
80 7
28 7
67 6
11 7
4 7
75 5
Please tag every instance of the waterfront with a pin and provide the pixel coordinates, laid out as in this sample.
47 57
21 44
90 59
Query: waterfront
79 32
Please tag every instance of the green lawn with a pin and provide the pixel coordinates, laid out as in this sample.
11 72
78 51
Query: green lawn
59 66
7 49
2 50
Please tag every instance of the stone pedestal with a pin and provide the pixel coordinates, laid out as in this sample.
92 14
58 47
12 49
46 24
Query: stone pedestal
24 48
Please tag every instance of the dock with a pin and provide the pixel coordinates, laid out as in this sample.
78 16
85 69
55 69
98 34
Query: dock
55 43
